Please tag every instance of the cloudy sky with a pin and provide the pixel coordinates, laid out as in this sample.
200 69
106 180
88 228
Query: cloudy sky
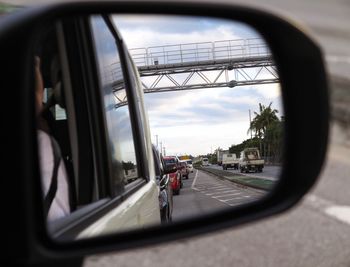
197 121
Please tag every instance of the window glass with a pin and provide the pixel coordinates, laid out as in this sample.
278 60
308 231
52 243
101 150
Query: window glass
115 103
170 161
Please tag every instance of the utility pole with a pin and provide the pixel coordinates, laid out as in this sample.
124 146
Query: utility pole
157 140
164 151
161 147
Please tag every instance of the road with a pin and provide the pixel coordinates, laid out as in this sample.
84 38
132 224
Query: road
203 193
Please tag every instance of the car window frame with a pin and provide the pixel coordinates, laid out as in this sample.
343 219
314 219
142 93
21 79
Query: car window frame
70 226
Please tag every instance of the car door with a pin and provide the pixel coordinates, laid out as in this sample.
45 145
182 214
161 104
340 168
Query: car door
115 189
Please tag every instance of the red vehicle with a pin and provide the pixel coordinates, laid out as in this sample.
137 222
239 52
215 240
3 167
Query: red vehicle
175 178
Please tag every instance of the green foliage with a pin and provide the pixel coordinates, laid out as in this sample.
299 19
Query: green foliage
7 8
254 142
268 134
128 165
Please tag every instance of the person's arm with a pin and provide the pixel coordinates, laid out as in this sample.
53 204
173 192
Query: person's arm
39 96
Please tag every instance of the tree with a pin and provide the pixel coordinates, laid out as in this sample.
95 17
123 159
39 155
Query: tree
236 149
266 126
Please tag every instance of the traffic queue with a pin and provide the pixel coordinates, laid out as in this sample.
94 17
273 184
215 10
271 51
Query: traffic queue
171 183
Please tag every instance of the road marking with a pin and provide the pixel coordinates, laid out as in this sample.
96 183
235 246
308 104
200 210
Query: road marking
237 204
220 190
216 191
338 212
235 198
234 194
216 188
194 180
209 189
338 59
228 191
341 213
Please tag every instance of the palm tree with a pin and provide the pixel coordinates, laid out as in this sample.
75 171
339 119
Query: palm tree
262 122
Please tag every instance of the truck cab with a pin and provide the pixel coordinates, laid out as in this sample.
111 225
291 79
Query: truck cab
250 160
205 162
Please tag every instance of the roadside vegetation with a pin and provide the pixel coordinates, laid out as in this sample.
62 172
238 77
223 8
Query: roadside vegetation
266 129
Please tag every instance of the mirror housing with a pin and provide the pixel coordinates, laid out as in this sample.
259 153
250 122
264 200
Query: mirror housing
304 89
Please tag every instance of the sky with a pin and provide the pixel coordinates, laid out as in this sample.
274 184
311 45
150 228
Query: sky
196 122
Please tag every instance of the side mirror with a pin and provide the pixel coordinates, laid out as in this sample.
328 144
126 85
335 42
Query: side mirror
118 208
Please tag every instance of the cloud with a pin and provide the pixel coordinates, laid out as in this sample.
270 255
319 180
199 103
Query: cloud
147 31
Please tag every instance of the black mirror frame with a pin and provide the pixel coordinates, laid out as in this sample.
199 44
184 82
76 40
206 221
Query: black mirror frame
304 85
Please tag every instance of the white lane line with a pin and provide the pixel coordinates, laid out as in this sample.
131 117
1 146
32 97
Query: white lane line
224 192
227 195
338 59
341 213
237 204
194 180
217 187
338 212
227 191
235 198
216 191
209 191
224 201
207 188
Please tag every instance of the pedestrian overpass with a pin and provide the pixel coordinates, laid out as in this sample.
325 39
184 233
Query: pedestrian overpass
203 65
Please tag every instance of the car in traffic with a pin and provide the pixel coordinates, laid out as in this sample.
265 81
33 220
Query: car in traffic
172 162
189 165
184 170
250 160
165 187
205 162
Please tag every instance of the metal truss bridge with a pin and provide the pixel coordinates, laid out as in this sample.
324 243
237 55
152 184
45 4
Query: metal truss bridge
192 66
205 65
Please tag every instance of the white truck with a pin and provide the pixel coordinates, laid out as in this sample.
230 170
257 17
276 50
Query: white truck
219 155
229 161
250 160
205 162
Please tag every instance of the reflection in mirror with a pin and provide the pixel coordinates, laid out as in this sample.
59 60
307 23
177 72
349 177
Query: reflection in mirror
214 103
212 96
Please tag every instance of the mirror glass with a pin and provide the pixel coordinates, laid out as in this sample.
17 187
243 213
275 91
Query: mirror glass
213 99
213 105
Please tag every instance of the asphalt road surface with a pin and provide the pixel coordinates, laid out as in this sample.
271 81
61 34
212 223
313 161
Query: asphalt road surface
205 193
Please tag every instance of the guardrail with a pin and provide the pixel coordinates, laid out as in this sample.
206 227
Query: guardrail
197 52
